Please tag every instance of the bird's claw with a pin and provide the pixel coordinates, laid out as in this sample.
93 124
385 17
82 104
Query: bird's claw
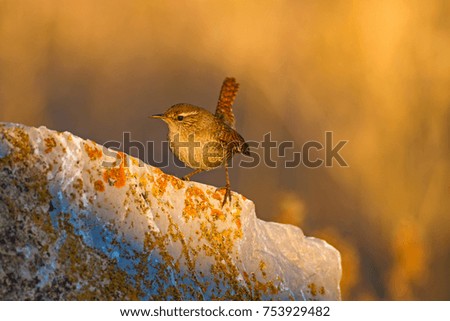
185 178
227 194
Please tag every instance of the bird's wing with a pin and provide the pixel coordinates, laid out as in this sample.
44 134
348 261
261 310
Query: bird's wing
232 141
224 109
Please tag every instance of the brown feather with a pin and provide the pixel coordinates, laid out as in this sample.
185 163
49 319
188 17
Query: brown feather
224 109
232 142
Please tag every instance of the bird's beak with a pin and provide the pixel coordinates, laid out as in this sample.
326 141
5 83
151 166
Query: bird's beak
157 116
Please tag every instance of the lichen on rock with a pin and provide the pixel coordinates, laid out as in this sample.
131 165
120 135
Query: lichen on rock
73 228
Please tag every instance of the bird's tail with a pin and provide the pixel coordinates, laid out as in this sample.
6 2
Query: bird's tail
245 149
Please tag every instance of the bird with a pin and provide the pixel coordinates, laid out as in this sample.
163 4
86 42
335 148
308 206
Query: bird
202 140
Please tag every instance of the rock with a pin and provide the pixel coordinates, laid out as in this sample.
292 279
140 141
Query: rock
76 224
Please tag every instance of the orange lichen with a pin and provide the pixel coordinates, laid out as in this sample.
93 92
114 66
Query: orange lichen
195 203
143 181
78 184
312 288
218 195
18 138
134 161
160 185
157 171
315 290
49 143
116 176
258 287
175 182
237 221
218 214
262 265
93 152
99 186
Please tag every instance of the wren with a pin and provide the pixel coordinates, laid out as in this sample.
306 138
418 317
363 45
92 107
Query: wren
205 141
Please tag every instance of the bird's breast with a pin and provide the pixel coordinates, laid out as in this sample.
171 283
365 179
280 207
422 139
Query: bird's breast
197 150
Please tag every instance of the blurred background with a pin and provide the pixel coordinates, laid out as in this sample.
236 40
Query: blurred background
375 73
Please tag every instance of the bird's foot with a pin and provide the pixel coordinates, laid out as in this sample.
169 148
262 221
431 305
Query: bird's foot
227 194
186 178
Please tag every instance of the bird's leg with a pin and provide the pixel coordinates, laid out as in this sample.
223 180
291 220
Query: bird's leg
188 176
227 187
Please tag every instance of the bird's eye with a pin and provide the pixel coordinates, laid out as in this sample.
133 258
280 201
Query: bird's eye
180 118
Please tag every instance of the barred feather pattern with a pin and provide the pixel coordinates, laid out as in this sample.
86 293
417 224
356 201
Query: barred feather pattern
224 109
232 142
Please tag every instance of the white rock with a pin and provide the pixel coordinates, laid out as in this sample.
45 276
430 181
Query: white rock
133 232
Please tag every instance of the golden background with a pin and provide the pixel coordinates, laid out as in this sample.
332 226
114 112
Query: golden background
376 73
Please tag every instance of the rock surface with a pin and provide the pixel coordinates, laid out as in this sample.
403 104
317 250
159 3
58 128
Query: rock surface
74 228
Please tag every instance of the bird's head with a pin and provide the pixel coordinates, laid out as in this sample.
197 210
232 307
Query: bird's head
180 116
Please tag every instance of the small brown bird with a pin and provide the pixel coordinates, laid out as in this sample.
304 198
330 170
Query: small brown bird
204 141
